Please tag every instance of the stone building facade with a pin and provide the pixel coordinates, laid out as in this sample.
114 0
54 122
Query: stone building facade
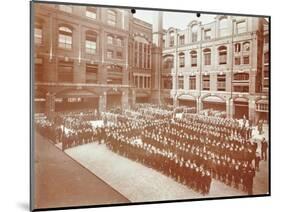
218 65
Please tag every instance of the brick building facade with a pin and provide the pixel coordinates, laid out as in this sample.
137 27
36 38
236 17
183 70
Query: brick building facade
102 58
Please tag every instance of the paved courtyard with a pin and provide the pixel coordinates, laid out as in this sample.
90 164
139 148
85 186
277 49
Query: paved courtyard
138 183
61 182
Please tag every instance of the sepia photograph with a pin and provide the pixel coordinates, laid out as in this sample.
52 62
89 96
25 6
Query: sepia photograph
140 105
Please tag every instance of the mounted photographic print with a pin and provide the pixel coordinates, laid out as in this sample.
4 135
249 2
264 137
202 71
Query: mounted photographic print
139 105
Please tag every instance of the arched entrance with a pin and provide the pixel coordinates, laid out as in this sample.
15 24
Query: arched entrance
241 108
214 103
76 100
187 101
142 97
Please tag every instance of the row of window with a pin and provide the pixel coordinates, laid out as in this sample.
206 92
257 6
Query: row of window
65 40
142 81
242 84
111 40
221 82
142 55
91 12
110 54
66 72
224 30
222 60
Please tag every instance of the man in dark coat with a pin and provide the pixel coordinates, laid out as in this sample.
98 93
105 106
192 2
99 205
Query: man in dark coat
264 147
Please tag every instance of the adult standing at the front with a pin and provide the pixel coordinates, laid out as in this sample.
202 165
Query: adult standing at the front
264 147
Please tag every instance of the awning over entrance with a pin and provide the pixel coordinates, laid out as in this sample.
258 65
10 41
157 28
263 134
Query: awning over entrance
213 99
262 101
186 97
77 93
241 99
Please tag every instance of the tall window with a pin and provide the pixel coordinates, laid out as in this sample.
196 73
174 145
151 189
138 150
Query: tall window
266 58
91 42
207 57
119 54
206 82
91 73
192 82
266 38
182 40
144 55
91 12
193 55
111 17
172 39
38 34
181 59
222 55
39 69
109 39
65 8
119 41
65 37
246 47
140 55
221 82
241 27
237 61
207 34
194 33
223 27
109 54
141 81
246 60
180 82
237 47
136 53
65 71
148 55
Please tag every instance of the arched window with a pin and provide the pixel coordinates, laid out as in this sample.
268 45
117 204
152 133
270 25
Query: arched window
111 17
181 59
168 61
246 47
172 38
207 57
223 27
65 37
222 55
182 40
91 42
91 12
194 32
193 57
237 47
